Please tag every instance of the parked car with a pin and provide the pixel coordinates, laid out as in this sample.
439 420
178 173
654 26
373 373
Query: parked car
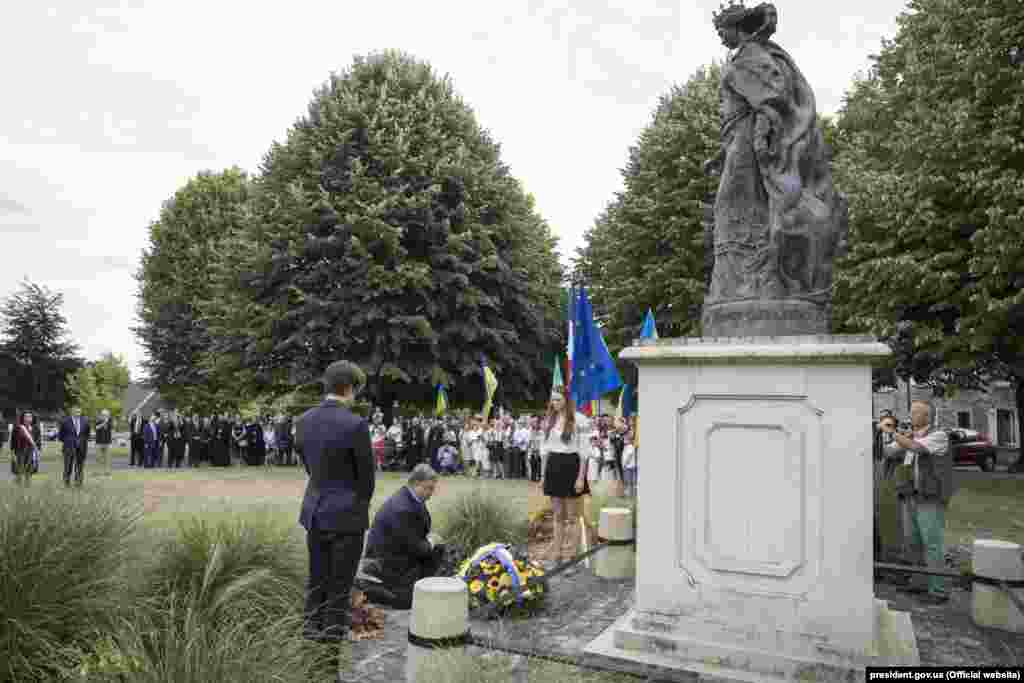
972 448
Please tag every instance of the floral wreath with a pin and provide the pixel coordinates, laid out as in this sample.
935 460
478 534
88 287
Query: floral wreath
516 576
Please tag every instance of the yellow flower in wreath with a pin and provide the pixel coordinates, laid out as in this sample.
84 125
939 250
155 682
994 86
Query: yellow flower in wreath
476 586
494 583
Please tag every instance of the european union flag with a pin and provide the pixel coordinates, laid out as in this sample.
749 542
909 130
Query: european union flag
593 371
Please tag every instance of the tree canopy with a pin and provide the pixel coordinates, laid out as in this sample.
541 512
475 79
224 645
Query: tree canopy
933 163
174 280
99 385
387 231
34 334
935 173
646 250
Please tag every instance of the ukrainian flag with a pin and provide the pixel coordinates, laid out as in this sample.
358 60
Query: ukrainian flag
490 386
442 401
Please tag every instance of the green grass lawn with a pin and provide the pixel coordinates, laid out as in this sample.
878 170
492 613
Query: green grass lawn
275 492
982 507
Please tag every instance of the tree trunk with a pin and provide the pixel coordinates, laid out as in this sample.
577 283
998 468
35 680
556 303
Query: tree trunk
1018 393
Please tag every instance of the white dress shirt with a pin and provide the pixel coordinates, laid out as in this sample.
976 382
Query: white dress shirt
579 442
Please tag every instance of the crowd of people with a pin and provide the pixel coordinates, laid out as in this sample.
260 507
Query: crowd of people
218 440
504 447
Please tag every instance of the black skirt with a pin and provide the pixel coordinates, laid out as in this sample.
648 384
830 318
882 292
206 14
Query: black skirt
561 474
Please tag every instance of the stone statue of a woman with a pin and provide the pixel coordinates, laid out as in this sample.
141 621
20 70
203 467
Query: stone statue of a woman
778 221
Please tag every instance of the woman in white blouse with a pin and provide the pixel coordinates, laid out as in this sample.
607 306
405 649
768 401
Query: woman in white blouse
564 449
473 438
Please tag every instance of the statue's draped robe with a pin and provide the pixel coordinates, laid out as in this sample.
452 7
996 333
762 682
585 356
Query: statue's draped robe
777 217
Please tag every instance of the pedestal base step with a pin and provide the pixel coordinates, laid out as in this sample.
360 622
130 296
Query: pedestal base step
895 645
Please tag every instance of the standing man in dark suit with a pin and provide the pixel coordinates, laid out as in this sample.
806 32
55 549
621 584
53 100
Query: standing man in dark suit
136 426
335 446
152 442
74 435
104 437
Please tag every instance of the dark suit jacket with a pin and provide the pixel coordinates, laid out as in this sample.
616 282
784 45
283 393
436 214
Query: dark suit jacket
104 435
398 538
151 440
335 445
67 436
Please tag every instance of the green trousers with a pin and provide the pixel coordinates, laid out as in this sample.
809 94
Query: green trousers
928 518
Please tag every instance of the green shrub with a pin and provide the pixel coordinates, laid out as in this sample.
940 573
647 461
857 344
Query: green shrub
227 567
63 560
477 518
177 641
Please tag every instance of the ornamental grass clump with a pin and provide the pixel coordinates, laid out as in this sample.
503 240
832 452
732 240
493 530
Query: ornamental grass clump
63 563
228 568
179 640
479 517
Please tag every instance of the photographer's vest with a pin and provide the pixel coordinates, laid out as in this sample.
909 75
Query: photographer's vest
934 479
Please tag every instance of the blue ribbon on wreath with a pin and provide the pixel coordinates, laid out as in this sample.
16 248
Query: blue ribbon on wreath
501 553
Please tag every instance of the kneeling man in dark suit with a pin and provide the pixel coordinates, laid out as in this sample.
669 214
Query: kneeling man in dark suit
335 445
399 548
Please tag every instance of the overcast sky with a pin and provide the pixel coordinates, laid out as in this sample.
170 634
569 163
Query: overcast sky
112 107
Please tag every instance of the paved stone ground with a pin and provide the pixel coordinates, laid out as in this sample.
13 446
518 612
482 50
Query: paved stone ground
580 606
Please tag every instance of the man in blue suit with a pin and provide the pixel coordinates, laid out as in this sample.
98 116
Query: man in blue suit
74 436
335 447
399 548
151 441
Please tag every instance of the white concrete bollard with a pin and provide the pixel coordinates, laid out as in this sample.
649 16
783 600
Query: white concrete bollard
618 560
439 621
990 605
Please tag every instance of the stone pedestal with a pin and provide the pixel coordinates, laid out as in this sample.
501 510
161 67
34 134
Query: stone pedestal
754 557
990 605
618 560
439 621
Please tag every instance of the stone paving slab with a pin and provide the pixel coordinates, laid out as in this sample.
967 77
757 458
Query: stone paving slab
581 606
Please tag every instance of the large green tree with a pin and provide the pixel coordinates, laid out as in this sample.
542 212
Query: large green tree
175 278
933 163
99 385
34 333
388 231
647 248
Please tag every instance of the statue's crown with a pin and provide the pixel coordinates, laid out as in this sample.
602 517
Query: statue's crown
727 11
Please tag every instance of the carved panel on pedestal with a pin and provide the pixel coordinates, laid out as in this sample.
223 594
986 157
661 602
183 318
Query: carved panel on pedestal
750 516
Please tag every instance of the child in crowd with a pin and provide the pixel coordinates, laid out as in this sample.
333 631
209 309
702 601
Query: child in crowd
447 457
